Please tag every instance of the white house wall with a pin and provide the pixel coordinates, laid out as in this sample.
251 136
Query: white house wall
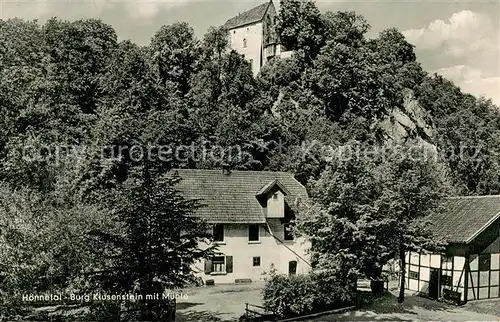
270 251
253 50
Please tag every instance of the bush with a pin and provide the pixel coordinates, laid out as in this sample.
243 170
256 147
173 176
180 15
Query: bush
288 296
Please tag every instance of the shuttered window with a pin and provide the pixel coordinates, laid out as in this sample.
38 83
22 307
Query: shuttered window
208 266
219 264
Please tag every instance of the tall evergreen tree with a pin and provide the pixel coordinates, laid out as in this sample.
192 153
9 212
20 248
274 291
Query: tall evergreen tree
157 245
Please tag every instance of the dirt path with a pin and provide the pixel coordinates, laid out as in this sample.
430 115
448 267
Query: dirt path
218 303
414 308
227 303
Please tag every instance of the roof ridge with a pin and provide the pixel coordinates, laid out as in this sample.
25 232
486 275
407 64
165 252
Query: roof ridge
249 16
473 197
265 188
267 8
232 171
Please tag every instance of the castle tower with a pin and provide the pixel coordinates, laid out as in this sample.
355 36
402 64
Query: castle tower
253 34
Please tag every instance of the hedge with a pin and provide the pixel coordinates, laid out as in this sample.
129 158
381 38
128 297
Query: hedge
294 295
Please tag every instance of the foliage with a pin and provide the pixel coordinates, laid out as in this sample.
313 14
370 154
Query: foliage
345 27
294 295
467 134
369 209
45 248
74 102
300 27
174 52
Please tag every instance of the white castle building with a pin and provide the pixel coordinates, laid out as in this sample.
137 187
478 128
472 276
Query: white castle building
253 34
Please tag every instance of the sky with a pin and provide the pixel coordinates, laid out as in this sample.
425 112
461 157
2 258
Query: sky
457 39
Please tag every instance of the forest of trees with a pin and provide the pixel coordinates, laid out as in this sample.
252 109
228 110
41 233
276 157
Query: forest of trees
74 101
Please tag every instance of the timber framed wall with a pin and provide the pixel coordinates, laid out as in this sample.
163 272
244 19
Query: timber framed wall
439 276
435 275
484 277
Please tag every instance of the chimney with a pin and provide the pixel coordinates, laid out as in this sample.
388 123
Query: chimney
226 169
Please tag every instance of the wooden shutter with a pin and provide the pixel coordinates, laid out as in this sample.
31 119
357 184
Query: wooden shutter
208 266
292 267
229 264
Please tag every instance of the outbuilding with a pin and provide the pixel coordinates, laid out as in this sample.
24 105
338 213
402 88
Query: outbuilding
469 269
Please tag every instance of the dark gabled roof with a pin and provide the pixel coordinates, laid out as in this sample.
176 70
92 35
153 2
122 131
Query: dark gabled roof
231 198
248 17
466 217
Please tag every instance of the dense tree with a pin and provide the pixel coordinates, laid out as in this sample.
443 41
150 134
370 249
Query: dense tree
156 245
300 28
174 51
74 102
345 27
467 134
415 186
44 244
54 92
372 207
338 223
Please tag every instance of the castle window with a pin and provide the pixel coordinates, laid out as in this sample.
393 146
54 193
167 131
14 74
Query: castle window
244 43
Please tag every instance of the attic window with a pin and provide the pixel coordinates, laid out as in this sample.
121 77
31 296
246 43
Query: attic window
244 43
275 196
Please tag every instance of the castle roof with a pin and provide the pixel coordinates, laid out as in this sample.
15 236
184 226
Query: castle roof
248 17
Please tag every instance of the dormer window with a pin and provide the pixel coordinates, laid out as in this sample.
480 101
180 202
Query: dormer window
272 197
244 43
